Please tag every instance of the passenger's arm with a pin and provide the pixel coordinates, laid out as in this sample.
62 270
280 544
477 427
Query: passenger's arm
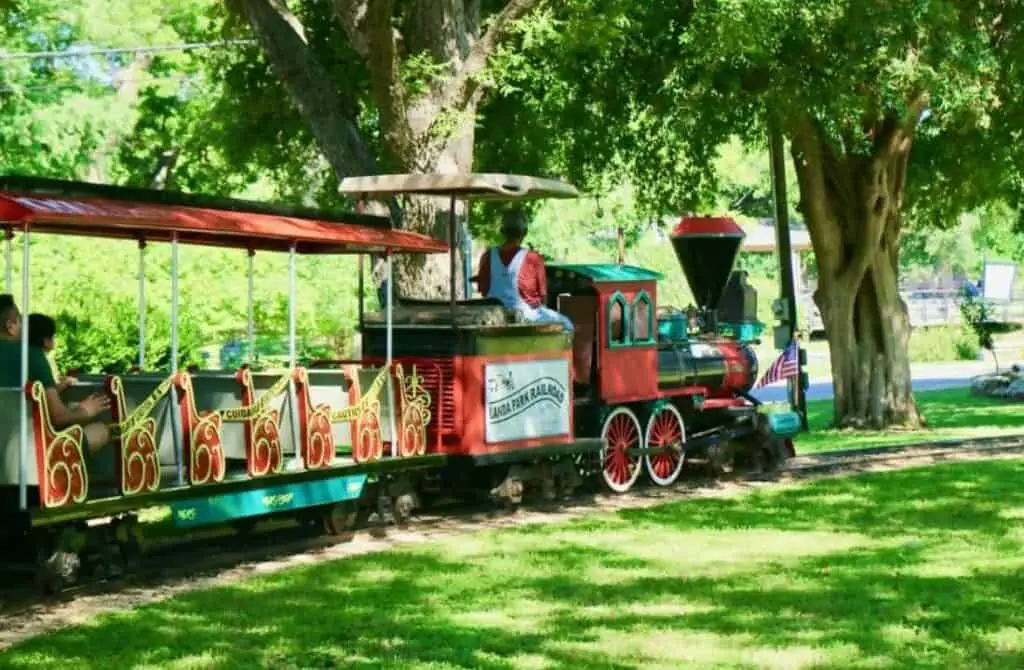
483 274
63 416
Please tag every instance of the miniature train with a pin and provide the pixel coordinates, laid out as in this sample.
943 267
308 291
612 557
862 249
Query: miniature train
453 398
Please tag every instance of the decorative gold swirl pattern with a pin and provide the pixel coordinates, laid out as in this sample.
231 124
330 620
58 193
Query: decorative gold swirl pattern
259 407
64 479
369 446
415 413
358 410
264 454
143 410
206 461
320 450
135 437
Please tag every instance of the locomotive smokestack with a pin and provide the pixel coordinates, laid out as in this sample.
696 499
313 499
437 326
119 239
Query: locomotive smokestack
706 248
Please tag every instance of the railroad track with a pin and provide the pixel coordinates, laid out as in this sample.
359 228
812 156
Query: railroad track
177 568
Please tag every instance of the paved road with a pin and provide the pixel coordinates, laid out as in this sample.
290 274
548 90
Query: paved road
927 377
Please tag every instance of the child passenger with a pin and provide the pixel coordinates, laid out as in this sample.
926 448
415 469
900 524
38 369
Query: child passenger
42 333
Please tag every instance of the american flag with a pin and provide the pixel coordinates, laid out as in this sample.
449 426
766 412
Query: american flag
785 366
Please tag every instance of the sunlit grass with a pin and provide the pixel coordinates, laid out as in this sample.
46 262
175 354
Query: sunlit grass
950 413
914 569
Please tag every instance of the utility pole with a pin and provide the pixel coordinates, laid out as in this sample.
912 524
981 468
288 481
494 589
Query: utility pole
785 308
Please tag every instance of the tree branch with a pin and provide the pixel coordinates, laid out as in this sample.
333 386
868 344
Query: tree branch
309 86
462 88
883 184
896 130
809 164
368 25
351 14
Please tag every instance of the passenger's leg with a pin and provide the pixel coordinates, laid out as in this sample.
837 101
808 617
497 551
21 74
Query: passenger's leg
97 436
100 458
548 314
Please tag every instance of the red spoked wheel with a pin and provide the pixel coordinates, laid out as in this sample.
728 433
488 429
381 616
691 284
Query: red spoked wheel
620 468
665 429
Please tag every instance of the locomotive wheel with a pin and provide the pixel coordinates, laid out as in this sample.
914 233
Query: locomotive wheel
622 431
665 429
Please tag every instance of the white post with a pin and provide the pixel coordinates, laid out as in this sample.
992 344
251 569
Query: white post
142 305
23 451
175 417
174 303
251 315
9 260
293 397
389 353
291 307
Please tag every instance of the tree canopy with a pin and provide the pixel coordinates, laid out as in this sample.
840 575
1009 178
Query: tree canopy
899 116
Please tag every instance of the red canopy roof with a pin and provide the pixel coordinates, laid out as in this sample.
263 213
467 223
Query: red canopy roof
226 223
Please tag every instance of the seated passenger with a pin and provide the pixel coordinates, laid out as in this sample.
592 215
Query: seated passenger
42 333
516 276
97 435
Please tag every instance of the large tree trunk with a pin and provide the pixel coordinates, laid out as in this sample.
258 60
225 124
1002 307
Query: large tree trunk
852 206
429 130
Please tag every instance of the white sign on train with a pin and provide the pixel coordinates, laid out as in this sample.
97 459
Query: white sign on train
526 400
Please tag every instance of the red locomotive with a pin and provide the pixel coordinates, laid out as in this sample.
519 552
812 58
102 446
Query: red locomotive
628 390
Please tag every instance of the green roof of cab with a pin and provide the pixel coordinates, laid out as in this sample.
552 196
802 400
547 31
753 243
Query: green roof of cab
602 273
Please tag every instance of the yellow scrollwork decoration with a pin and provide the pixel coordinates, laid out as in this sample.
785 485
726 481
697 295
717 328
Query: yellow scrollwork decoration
65 476
204 441
365 403
416 413
260 407
137 433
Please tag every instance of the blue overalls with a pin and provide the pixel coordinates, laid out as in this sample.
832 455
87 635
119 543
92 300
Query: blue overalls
505 287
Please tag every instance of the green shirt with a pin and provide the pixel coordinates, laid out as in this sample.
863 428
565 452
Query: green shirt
10 365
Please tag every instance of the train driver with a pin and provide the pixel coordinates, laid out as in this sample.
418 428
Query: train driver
516 276
97 435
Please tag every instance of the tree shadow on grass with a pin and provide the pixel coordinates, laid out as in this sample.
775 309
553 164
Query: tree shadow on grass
578 596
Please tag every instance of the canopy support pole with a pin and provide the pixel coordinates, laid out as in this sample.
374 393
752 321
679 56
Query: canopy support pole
173 407
293 397
141 307
250 325
389 353
361 286
291 307
452 252
361 261
24 446
9 259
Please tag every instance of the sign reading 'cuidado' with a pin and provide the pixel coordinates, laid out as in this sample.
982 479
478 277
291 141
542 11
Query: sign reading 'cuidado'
527 399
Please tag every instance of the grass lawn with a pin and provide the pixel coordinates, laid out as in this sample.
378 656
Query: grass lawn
951 413
915 569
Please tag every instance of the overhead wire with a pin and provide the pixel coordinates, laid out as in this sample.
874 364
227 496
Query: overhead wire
110 51
100 84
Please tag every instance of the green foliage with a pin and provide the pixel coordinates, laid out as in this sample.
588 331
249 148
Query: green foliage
975 312
652 89
943 343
